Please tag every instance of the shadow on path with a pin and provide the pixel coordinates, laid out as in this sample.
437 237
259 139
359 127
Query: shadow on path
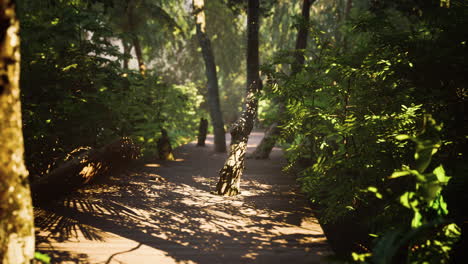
164 213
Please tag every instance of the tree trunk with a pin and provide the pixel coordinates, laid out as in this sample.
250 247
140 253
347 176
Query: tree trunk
230 174
263 150
139 54
211 76
164 146
126 50
16 215
268 142
202 130
134 36
347 10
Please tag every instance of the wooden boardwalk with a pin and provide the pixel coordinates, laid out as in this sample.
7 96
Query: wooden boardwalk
164 213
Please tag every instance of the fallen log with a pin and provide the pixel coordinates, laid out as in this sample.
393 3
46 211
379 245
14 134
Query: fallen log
82 166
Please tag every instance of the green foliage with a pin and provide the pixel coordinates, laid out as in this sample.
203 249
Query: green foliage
429 236
75 92
43 258
366 86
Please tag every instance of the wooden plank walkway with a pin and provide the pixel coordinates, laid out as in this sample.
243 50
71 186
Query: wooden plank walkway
164 213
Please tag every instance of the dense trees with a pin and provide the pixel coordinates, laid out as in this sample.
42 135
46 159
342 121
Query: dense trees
369 104
16 216
211 76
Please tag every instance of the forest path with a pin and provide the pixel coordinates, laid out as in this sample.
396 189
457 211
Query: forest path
163 212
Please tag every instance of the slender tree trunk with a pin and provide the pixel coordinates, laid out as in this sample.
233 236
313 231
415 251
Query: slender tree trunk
211 76
263 150
16 216
347 10
135 40
230 174
139 54
202 130
272 133
126 49
164 146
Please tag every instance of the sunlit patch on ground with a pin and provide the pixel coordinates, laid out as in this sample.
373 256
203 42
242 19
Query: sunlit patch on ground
134 218
152 165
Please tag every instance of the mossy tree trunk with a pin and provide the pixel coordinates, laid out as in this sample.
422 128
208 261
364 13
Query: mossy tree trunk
230 174
265 147
211 76
16 215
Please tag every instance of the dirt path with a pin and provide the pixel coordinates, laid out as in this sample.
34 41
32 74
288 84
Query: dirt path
164 213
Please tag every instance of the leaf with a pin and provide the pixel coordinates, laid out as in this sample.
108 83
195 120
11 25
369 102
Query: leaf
44 258
360 257
398 174
402 137
440 174
408 201
71 66
452 231
417 219
374 190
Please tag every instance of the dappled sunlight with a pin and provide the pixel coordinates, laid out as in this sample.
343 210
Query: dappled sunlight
152 165
167 214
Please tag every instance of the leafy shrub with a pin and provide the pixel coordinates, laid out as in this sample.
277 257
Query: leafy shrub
348 105
75 92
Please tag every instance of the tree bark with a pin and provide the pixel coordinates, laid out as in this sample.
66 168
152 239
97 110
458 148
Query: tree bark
139 54
126 49
230 174
347 10
268 142
211 76
202 130
16 215
164 146
134 36
265 147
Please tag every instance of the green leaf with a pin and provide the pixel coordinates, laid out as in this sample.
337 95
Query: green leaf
398 174
452 231
402 137
44 258
374 190
70 67
440 174
417 219
360 257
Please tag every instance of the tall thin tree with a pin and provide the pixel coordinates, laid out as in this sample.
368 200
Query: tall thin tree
265 147
131 6
211 76
230 174
16 215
